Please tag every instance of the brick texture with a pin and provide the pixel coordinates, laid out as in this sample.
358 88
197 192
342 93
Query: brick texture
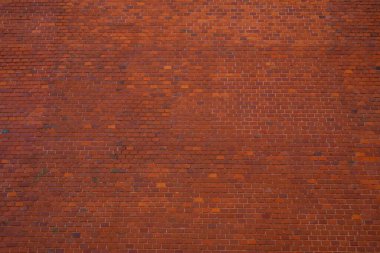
189 126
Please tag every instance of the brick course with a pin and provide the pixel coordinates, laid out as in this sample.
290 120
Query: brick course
189 126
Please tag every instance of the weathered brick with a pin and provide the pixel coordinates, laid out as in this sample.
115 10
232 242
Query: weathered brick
189 126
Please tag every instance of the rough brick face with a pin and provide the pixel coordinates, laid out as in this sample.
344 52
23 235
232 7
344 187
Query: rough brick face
186 126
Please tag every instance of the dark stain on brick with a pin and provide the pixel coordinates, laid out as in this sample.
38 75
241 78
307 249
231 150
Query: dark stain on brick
114 156
54 230
40 174
266 215
118 170
4 223
123 66
75 235
48 126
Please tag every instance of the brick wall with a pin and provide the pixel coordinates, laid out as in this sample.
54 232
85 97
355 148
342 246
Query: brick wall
189 126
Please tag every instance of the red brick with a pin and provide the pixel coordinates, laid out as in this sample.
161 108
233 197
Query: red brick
189 126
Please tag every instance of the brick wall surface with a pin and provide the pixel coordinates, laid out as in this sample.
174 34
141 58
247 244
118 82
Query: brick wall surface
189 126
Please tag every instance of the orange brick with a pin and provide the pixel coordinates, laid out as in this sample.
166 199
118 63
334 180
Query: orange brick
251 242
198 200
68 174
11 194
212 175
312 181
161 185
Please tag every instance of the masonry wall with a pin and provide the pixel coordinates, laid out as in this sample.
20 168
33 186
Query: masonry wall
189 126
